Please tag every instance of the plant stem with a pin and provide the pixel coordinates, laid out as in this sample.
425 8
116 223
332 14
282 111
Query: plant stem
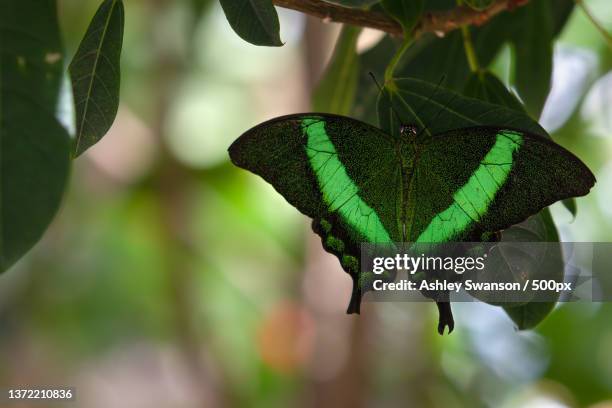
607 36
470 52
438 22
468 45
395 60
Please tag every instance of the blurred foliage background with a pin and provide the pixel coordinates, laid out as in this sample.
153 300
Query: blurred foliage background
172 279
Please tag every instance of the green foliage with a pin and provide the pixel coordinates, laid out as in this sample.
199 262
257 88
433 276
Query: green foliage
530 315
533 48
335 93
34 147
430 57
406 12
439 109
254 21
95 74
531 30
539 228
487 87
570 205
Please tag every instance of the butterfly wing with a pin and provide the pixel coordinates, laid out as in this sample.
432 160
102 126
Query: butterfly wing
473 180
343 173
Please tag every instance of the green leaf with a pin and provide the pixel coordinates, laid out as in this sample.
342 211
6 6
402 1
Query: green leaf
478 4
531 29
254 21
531 314
430 57
335 92
570 205
487 87
95 75
406 12
533 50
34 148
353 3
427 104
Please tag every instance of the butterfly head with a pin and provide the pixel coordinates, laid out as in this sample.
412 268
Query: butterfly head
409 131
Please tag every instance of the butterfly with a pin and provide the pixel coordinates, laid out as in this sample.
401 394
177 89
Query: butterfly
361 184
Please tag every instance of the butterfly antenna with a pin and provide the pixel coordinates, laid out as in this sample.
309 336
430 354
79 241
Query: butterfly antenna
380 88
371 74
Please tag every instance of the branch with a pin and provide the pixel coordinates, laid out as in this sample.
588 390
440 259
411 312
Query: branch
438 22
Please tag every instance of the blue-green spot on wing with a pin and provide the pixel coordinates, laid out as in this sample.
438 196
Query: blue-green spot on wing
342 173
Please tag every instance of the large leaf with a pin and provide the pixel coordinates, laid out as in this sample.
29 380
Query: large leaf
335 92
439 109
254 21
430 56
95 75
538 228
34 148
531 30
487 87
533 48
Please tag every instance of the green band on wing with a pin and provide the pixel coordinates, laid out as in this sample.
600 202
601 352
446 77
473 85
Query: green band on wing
339 191
472 200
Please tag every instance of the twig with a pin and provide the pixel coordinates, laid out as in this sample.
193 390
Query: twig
438 22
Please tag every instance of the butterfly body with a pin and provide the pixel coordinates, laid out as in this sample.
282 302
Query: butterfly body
360 184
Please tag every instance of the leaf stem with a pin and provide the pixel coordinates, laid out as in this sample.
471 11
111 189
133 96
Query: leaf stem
470 52
395 60
468 45
607 36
